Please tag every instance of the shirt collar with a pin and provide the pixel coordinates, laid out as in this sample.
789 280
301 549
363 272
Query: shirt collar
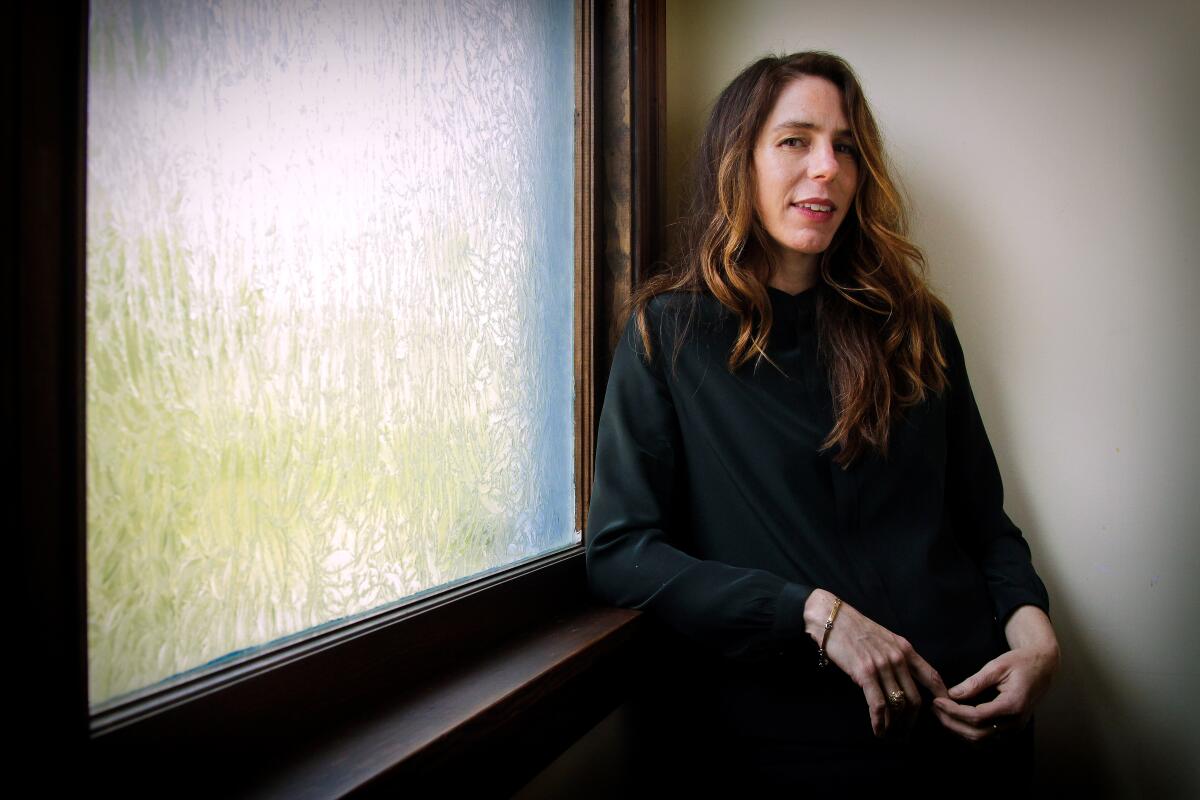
794 310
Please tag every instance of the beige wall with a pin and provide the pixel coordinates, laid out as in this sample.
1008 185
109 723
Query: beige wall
1049 150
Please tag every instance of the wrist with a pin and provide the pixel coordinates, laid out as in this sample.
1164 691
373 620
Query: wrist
817 609
1029 629
1045 653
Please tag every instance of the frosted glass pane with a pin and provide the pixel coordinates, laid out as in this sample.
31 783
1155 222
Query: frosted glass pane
329 298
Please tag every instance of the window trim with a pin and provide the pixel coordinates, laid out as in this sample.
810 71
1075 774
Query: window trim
269 692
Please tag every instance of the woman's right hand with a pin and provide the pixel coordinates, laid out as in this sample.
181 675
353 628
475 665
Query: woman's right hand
876 659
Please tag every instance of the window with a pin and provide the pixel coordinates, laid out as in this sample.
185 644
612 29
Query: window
329 285
302 690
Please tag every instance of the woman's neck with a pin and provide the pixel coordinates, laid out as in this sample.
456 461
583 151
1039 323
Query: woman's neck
794 272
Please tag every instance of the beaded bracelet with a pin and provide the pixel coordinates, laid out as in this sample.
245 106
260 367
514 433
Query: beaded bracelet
822 661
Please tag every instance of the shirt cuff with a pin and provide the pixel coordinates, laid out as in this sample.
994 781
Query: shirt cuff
789 613
1009 599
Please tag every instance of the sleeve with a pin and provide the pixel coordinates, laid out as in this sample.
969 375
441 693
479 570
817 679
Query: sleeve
976 497
632 556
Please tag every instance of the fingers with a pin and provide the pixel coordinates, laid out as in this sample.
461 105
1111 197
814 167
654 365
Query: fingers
972 733
979 716
1018 680
991 674
976 723
901 685
894 700
878 708
924 672
912 698
974 728
893 710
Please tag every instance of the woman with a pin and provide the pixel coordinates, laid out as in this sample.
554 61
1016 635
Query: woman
792 474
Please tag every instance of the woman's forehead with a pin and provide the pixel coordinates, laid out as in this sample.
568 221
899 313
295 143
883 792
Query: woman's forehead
808 103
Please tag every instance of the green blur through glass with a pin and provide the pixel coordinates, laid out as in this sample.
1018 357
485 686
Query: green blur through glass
329 315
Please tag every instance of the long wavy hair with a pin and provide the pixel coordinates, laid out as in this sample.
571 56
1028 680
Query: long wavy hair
876 316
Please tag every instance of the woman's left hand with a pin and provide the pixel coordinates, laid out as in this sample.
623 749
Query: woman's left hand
1021 677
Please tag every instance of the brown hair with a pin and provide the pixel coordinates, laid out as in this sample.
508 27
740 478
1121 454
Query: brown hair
876 317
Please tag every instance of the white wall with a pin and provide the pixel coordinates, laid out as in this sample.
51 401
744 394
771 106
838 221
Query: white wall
1049 151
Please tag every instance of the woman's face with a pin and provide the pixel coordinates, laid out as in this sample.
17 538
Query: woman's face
805 169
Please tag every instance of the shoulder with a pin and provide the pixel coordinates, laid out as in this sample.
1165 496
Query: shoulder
672 316
952 350
948 337
672 321
685 305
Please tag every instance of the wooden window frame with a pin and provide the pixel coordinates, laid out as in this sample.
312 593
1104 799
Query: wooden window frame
552 669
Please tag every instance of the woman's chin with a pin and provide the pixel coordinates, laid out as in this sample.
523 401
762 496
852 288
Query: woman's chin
806 246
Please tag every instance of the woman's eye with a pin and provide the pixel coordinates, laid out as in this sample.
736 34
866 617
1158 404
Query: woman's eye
793 141
848 149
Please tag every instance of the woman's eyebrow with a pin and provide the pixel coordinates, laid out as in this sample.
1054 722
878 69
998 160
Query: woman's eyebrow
796 124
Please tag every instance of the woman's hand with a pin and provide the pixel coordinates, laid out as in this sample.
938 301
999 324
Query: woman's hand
876 659
1021 677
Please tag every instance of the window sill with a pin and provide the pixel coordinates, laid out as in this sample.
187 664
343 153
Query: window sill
486 725
464 726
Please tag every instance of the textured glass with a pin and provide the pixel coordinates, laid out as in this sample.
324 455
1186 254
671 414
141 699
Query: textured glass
329 299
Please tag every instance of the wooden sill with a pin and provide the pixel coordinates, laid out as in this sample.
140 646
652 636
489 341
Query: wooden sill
486 726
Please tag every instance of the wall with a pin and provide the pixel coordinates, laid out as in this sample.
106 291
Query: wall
1049 153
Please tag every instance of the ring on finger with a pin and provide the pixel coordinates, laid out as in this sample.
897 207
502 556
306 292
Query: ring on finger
897 700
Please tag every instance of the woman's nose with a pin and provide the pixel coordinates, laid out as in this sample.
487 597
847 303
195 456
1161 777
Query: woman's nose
822 161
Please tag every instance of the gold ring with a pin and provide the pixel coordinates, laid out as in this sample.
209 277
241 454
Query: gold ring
896 700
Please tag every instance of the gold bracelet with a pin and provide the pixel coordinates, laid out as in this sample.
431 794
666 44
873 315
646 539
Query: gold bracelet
822 661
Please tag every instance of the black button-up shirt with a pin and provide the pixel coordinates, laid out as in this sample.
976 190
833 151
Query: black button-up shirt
714 509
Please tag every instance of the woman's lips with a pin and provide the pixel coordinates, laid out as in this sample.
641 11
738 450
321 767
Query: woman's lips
810 213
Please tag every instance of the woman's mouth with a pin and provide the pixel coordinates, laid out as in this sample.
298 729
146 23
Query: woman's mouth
816 211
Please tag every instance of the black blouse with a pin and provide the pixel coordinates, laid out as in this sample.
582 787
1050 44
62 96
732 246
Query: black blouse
714 510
